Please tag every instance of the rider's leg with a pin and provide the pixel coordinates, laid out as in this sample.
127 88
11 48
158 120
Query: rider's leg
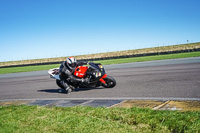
66 86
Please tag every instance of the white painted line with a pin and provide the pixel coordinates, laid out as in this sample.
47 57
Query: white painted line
89 101
109 98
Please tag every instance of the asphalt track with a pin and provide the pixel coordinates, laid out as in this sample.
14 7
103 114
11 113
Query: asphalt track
174 79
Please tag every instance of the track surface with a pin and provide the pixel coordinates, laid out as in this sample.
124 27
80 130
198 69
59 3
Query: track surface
166 79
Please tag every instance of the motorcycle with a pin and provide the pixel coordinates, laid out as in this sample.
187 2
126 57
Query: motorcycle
95 72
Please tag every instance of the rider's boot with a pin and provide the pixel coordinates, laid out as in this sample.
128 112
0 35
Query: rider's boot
68 90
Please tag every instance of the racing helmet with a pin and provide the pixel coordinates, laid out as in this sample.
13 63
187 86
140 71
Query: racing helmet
71 63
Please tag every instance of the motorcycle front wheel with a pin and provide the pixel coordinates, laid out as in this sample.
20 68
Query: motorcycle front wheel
110 82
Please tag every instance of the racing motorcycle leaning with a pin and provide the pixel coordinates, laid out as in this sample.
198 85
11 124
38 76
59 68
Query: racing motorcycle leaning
95 72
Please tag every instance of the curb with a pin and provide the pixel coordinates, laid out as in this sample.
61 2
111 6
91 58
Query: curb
153 104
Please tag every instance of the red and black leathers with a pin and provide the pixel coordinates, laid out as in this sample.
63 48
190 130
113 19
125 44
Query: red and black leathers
66 74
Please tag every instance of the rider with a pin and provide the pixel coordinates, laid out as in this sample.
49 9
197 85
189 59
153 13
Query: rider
66 71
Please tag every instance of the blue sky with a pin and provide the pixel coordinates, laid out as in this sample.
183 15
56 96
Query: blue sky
34 29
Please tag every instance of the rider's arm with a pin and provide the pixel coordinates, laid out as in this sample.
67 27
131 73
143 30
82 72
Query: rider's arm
80 63
72 78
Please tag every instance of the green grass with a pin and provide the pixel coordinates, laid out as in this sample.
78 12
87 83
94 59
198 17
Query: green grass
104 62
149 58
78 119
27 68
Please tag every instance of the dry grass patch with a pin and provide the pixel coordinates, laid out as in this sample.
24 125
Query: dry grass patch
109 54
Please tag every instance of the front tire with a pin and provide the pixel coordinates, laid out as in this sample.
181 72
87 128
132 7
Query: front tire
110 82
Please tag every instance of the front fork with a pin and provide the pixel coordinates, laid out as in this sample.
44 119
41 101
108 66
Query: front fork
102 79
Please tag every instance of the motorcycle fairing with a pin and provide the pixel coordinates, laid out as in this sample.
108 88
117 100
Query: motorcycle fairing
54 73
80 71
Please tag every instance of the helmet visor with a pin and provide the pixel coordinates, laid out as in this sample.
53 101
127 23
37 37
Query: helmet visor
73 65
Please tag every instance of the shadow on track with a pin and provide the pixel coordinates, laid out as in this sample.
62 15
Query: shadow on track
59 90
62 91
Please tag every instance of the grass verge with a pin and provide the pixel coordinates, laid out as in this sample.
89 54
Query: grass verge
88 119
27 68
104 62
149 58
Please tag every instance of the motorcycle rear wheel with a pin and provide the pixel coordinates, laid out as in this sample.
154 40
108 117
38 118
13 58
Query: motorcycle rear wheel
110 82
59 84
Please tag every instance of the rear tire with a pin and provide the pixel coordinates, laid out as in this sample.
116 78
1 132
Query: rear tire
59 84
110 82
